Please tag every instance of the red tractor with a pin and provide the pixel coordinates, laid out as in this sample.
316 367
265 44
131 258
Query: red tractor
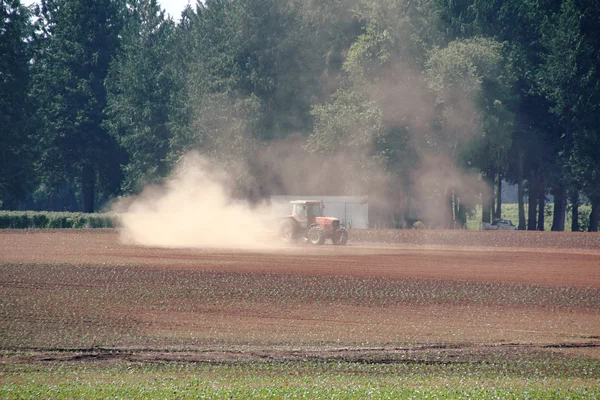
307 222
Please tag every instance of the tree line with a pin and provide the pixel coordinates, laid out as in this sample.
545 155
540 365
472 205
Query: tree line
410 102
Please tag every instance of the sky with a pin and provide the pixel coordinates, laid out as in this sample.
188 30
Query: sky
175 7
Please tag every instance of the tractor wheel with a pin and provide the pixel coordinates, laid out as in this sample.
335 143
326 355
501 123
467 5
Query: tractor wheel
288 230
316 235
340 238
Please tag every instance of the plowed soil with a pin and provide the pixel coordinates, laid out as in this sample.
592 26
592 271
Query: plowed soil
71 293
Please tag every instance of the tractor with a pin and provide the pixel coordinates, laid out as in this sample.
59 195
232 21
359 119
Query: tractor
307 222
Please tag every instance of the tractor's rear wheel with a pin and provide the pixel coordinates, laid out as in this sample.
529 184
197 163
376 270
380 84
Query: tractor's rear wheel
340 237
316 235
288 230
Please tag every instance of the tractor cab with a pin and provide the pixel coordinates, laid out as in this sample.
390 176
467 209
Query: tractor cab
305 212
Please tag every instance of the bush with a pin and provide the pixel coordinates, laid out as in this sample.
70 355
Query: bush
56 220
418 225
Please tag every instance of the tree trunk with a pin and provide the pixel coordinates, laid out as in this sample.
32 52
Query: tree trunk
487 205
492 175
575 213
455 203
534 198
594 216
88 182
499 199
520 191
486 211
541 191
461 214
521 200
560 207
449 209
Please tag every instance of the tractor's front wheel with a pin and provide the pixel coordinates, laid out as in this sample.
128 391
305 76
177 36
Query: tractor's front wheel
340 237
316 235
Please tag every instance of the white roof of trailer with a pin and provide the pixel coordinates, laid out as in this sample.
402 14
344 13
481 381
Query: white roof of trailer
306 201
325 199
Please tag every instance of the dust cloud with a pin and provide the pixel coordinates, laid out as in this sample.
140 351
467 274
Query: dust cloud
195 208
418 177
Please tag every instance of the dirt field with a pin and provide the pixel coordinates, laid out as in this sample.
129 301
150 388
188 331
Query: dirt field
447 294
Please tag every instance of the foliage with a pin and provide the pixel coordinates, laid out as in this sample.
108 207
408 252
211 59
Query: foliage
352 120
419 96
71 60
16 158
31 219
396 32
252 54
139 86
471 82
418 225
569 78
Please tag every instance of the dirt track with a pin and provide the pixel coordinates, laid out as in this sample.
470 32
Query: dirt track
84 289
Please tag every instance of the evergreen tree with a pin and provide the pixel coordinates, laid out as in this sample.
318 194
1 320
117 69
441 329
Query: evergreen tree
72 59
16 158
246 76
139 85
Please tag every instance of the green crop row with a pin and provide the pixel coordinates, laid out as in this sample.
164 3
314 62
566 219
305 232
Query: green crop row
45 219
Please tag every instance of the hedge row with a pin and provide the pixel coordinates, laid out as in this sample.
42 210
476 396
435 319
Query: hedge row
44 219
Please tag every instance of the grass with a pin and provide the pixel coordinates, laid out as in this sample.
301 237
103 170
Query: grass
511 212
300 380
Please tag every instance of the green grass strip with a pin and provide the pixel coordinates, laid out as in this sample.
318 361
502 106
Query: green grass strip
297 380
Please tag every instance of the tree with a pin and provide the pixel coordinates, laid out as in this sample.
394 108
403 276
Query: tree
569 78
328 28
16 158
534 153
139 86
473 89
374 116
254 49
351 124
250 71
72 59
